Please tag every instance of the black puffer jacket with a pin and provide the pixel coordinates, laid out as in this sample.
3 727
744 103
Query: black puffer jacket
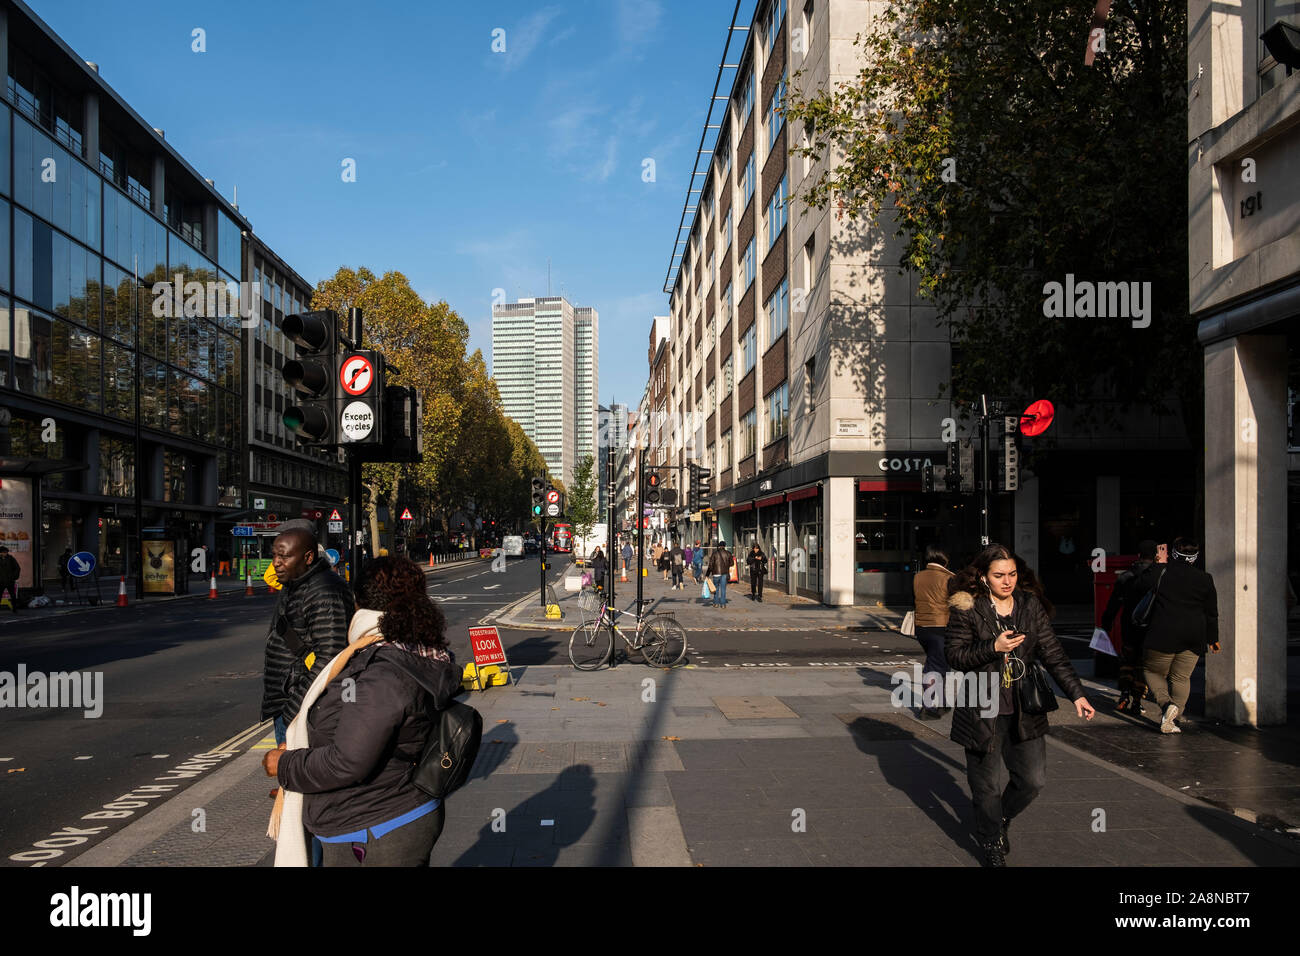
1185 614
319 606
968 645
357 771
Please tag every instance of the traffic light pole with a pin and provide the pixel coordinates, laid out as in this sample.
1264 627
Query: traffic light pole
541 551
640 526
354 471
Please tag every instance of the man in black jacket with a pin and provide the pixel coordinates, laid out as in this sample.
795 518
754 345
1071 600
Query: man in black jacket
309 627
1125 596
1184 620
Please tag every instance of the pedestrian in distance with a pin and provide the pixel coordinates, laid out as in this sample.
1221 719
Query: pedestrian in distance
1184 622
346 771
757 562
9 572
720 562
930 593
599 567
65 576
308 627
996 630
629 555
697 562
688 559
1124 598
677 560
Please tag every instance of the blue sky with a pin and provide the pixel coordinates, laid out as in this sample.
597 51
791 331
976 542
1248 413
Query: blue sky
472 167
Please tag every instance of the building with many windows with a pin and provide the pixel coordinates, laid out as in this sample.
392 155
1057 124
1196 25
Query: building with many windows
807 374
117 260
545 355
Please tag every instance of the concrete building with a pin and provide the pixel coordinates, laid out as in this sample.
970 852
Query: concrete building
806 373
545 357
611 438
1243 134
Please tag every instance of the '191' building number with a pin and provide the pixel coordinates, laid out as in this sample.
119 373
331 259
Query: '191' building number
1252 204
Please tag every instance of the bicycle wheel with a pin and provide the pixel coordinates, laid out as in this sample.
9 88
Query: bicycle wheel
589 646
664 641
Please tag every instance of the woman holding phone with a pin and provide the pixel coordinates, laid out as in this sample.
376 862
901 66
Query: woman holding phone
997 629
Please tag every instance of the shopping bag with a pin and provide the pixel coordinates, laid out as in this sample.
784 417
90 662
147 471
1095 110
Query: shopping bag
705 593
1101 642
908 627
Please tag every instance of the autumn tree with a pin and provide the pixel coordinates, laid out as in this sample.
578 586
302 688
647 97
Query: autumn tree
1006 164
581 501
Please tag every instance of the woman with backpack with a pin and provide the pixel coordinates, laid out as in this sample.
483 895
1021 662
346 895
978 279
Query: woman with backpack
1000 630
346 775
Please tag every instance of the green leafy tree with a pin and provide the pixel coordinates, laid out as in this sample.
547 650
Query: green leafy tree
1005 164
581 502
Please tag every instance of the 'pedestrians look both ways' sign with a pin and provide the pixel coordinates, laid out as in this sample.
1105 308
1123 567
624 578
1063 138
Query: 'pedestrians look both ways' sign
488 649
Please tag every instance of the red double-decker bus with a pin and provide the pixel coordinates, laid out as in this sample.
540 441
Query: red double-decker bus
561 537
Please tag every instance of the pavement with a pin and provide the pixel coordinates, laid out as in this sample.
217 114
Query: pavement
788 766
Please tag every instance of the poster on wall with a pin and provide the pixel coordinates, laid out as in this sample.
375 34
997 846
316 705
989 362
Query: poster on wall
17 525
159 567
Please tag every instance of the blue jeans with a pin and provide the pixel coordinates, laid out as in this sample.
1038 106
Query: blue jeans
281 731
719 590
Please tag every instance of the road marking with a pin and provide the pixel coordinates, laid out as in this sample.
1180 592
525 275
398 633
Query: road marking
489 587
6 758
161 756
83 758
258 729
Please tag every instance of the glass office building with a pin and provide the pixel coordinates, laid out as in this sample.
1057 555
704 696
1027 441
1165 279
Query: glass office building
97 213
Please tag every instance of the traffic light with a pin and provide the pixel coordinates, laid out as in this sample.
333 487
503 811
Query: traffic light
927 478
402 420
1010 471
698 491
539 496
313 375
652 487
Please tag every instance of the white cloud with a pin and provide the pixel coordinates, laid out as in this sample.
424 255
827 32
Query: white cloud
636 20
523 38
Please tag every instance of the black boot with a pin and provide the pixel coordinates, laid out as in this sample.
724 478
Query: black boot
1004 838
993 854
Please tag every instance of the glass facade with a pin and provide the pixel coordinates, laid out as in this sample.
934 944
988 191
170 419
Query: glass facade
71 241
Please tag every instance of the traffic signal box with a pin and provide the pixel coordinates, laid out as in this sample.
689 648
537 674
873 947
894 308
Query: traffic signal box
539 498
344 397
652 493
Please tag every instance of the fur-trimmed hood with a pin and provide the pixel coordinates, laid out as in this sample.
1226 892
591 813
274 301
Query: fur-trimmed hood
961 600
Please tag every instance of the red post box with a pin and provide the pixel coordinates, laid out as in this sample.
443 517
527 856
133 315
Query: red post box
1103 586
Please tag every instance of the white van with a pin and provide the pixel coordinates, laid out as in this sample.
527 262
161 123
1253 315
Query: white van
513 546
584 548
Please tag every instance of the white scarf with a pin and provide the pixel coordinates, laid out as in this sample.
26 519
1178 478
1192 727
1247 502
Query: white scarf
286 818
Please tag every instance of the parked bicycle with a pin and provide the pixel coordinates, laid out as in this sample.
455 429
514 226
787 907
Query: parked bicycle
660 640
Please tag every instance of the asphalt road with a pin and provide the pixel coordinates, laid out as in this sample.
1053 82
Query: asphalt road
179 679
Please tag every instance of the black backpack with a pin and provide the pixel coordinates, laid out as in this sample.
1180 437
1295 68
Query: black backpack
452 747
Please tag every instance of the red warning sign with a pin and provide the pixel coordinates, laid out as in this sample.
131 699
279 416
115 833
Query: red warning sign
406 514
334 515
486 643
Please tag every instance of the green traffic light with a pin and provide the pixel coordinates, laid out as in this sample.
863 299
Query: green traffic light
537 509
293 419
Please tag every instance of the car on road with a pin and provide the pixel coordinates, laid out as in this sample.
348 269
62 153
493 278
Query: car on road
530 545
513 546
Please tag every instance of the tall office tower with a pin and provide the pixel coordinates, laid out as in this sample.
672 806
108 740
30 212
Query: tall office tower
534 362
586 341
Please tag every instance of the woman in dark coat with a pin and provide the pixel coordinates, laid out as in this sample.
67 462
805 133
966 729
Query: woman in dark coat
598 568
368 725
757 562
996 628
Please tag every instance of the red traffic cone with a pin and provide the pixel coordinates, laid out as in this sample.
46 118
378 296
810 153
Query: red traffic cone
430 559
212 589
121 592
248 584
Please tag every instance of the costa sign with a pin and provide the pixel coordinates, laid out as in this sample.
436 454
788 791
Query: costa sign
904 465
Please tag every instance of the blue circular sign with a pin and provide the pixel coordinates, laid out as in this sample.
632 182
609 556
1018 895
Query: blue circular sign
81 564
333 556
